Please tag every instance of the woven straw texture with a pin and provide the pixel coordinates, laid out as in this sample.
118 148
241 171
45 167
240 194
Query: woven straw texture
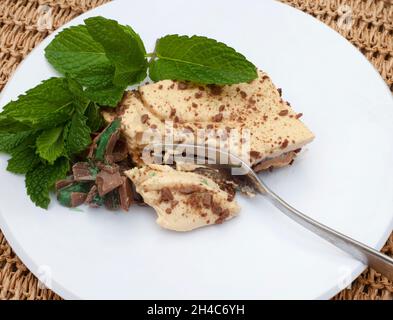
368 24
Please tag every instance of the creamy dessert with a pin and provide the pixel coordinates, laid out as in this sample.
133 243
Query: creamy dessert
249 117
262 120
183 200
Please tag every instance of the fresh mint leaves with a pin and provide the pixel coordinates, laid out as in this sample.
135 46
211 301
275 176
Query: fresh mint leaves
47 105
50 144
74 52
106 57
40 180
123 47
102 55
45 128
200 60
78 134
23 160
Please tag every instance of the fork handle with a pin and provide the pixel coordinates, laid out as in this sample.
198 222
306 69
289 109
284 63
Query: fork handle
367 255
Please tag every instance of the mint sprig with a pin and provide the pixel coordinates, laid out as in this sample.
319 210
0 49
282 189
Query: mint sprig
49 134
199 59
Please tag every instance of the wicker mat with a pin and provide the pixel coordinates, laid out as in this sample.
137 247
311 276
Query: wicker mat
367 24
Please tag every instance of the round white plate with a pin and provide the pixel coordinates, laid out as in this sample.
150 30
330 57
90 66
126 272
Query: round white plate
343 179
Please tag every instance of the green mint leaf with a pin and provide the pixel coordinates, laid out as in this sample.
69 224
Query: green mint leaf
50 144
78 134
201 60
136 36
80 100
123 47
47 105
23 160
42 179
9 141
94 118
9 125
109 96
75 52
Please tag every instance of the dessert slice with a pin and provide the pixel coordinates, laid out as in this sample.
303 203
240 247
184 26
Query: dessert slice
183 200
249 119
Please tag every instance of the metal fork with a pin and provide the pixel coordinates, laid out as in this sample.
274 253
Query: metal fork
365 254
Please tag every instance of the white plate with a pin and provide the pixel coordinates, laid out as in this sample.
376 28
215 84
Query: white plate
343 179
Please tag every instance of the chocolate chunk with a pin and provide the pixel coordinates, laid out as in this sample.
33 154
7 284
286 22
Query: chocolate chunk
112 200
125 193
198 95
107 182
82 171
243 94
77 198
113 168
283 113
90 196
63 183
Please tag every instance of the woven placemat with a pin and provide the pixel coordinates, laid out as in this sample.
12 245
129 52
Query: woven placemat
368 24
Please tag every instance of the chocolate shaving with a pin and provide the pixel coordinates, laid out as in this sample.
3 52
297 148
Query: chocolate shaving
144 118
215 89
223 216
218 117
166 195
207 200
189 189
284 144
182 86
